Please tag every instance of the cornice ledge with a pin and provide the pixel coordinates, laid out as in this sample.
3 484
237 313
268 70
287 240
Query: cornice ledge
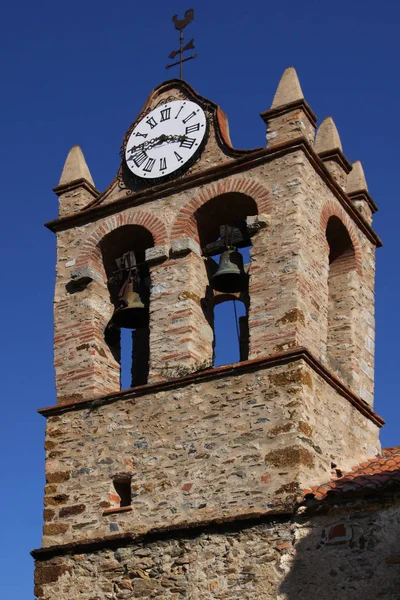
253 158
299 353
337 155
73 185
364 195
302 104
280 509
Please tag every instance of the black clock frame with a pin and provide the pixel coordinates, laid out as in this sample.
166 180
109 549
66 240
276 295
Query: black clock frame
134 183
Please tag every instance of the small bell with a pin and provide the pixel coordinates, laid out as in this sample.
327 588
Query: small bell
230 275
133 313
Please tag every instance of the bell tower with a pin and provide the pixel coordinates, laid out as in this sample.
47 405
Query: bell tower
149 486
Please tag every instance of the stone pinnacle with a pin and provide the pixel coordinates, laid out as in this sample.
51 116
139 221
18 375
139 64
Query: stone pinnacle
288 90
356 179
75 167
327 137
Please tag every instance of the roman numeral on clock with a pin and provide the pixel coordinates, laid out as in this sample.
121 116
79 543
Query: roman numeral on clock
187 142
191 128
163 164
149 165
177 114
139 158
138 134
186 119
178 156
165 114
152 122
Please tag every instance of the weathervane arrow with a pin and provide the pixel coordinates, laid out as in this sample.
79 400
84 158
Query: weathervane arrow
189 46
180 25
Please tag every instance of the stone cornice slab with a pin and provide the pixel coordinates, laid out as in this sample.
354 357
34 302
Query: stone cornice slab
76 184
299 104
247 366
278 512
337 156
365 196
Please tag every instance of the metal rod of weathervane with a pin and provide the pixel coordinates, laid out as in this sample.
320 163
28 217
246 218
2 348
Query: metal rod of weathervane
180 25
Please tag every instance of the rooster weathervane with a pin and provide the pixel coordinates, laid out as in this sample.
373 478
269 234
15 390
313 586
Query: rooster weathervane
180 25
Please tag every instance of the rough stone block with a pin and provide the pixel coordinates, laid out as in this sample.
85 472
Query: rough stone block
157 253
85 275
185 245
256 222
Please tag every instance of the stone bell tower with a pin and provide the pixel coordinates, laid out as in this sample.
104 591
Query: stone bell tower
165 489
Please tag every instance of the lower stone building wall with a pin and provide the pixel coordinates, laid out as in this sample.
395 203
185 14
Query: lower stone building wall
230 445
350 554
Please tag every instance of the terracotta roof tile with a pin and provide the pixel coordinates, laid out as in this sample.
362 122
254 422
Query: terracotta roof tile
380 473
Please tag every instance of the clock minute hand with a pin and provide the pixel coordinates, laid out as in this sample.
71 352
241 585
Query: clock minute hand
165 139
147 144
141 146
157 140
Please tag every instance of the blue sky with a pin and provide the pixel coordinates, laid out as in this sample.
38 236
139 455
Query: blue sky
78 73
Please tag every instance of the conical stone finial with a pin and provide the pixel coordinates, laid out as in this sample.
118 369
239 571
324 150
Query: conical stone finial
289 89
290 117
327 137
75 167
356 178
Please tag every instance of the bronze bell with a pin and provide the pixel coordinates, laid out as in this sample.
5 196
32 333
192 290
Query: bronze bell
133 313
230 275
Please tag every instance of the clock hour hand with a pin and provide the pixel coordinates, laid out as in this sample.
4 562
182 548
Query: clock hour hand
161 139
142 146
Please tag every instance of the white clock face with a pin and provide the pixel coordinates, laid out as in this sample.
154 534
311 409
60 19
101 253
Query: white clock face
165 139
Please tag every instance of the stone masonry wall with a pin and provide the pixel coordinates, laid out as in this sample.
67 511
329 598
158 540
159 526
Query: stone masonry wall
360 363
283 125
178 287
337 171
288 282
238 444
348 555
343 289
176 313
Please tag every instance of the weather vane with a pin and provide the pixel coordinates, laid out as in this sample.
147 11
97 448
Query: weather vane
180 25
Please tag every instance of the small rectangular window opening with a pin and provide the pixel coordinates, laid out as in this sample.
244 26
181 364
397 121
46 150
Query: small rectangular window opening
123 489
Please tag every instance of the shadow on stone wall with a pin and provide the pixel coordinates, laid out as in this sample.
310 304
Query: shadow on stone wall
353 550
340 548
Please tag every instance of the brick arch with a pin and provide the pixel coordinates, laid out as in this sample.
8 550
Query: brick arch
331 209
90 254
185 222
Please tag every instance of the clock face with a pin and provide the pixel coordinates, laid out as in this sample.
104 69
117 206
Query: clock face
165 139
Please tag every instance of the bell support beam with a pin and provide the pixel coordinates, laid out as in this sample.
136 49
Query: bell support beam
239 239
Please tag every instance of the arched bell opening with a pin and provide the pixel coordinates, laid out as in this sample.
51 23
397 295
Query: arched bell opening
342 291
128 278
225 209
225 241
